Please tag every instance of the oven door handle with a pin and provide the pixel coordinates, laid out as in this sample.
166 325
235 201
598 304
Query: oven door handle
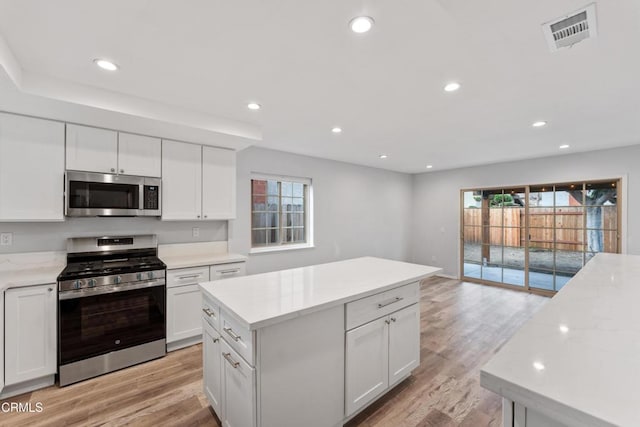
88 292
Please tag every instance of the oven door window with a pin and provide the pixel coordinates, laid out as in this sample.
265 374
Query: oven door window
99 324
99 195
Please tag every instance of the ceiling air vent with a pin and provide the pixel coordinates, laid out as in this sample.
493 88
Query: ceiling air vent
572 28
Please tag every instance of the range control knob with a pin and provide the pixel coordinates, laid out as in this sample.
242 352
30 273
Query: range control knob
92 282
77 284
139 276
150 275
117 280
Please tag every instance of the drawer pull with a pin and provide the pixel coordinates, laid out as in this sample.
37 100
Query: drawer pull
232 334
189 276
235 270
208 312
230 360
215 340
393 301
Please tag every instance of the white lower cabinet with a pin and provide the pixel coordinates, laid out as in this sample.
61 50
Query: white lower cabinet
520 416
212 359
381 353
30 342
239 406
225 271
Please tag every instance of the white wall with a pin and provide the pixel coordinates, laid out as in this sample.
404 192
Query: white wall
358 210
37 236
436 214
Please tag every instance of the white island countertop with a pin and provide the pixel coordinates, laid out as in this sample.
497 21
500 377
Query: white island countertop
264 299
585 345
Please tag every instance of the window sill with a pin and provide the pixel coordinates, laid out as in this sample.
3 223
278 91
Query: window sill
271 249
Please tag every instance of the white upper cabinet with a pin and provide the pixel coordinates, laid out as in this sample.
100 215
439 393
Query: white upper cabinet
218 183
31 169
198 182
107 151
92 149
139 155
181 181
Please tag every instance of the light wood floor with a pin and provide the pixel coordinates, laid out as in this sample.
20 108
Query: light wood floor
463 324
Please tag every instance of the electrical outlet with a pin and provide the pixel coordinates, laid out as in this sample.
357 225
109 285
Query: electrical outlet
6 239
195 231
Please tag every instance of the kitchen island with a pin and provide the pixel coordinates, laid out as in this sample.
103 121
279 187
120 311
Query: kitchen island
310 346
576 362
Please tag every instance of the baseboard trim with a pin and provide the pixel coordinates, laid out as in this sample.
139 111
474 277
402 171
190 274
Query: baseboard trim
447 276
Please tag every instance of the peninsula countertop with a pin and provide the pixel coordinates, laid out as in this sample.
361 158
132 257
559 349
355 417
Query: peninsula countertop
264 299
585 345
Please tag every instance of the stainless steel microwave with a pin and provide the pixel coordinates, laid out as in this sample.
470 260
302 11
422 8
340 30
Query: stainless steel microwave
103 194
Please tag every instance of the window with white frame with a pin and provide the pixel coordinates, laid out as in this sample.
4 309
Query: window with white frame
279 211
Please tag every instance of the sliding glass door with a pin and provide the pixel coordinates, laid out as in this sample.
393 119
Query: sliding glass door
538 236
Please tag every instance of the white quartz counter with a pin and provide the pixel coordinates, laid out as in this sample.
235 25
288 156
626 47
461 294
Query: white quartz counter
184 255
27 269
264 299
578 359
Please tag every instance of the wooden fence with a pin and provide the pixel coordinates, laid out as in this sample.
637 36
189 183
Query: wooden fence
506 227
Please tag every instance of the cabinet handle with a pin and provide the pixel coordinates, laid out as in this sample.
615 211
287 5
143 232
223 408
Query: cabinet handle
121 170
198 216
230 360
235 270
232 334
393 301
205 216
208 312
189 276
393 319
215 340
50 289
113 169
387 321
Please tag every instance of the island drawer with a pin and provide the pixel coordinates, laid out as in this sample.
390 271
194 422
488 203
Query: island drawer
238 336
187 276
225 271
375 306
211 313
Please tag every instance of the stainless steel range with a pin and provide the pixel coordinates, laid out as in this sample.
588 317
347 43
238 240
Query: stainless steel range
111 306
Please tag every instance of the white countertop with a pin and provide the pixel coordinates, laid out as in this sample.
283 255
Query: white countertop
27 269
588 340
263 299
184 255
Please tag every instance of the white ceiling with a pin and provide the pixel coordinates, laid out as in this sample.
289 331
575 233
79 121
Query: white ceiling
300 61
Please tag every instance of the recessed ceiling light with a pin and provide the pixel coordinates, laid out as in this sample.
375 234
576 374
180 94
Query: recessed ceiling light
336 130
564 329
105 65
429 166
361 24
383 156
564 146
538 365
539 124
452 87
253 106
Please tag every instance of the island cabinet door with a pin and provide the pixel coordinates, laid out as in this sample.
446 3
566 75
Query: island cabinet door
239 402
212 366
367 363
183 312
404 342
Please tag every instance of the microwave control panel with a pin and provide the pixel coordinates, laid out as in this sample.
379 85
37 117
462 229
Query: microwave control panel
151 197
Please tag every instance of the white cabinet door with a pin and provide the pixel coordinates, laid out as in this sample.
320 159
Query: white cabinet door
30 343
239 390
367 363
31 169
224 271
92 149
139 155
404 342
212 365
218 183
184 318
181 181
